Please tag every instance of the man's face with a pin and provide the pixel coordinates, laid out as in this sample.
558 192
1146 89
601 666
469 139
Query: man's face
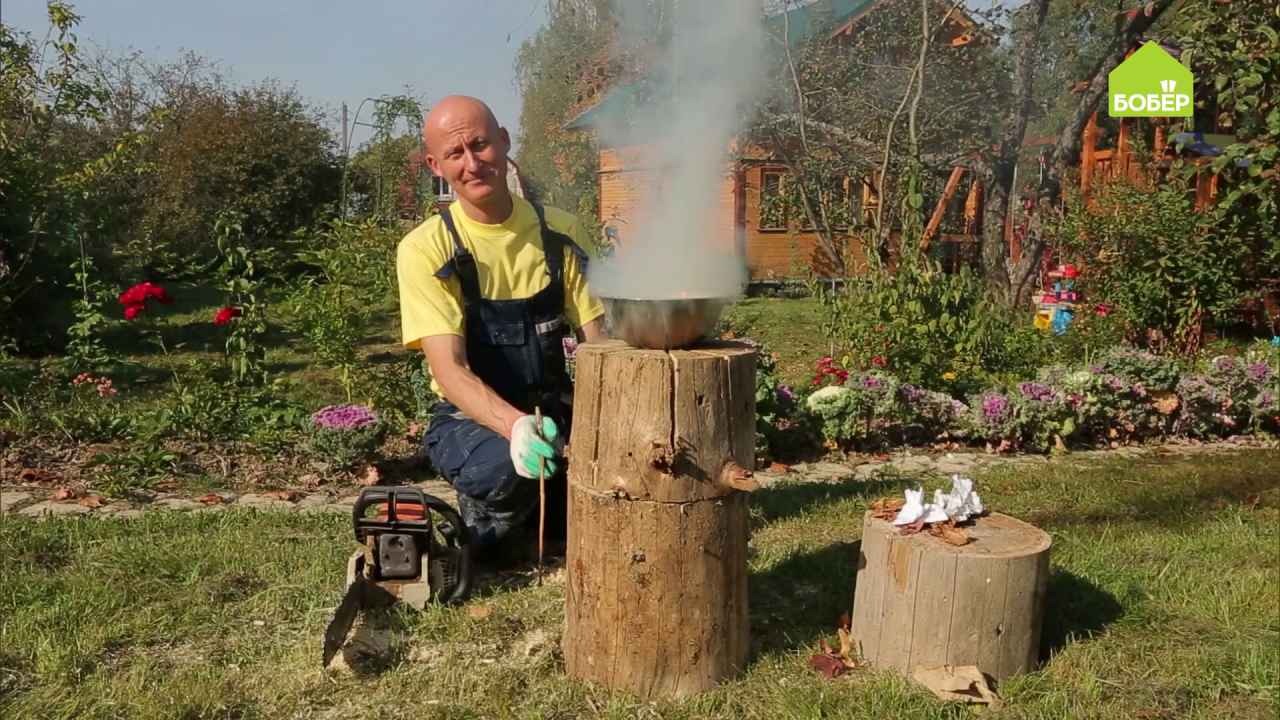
468 149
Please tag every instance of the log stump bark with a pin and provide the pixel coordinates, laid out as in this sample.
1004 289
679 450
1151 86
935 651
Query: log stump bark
920 603
662 448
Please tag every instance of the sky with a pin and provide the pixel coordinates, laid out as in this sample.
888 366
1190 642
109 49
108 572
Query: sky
331 51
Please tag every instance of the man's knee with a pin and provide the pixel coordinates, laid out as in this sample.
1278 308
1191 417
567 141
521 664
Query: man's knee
473 458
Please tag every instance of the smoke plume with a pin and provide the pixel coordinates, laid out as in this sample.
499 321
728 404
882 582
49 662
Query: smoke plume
694 99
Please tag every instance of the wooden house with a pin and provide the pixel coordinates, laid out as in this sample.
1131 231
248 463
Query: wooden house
775 247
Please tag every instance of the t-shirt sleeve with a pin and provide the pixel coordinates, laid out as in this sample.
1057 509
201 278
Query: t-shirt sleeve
580 306
428 305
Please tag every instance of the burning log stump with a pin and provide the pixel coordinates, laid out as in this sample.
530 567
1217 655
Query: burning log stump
662 448
921 603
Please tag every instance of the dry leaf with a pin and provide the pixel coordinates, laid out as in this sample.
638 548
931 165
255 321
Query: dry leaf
1166 402
1253 501
479 612
65 493
779 467
372 476
310 480
887 508
911 529
828 665
35 476
949 533
286 495
92 501
210 499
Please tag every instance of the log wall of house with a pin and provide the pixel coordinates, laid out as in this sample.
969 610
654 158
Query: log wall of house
629 181
777 254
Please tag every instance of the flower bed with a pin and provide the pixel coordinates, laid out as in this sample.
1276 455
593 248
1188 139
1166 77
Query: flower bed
1126 395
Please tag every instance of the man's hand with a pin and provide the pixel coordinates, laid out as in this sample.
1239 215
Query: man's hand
531 449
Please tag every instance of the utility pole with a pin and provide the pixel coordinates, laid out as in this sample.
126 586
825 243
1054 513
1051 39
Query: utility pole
346 158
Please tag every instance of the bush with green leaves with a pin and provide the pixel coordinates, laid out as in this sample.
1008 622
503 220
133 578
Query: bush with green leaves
925 325
1156 373
1150 258
780 427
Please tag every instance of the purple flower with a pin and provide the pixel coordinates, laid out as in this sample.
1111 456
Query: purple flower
958 407
1075 400
1116 384
1224 363
912 393
784 394
344 417
1036 391
871 383
995 407
1258 372
1139 390
1095 369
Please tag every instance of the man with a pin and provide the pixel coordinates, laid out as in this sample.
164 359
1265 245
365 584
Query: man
489 289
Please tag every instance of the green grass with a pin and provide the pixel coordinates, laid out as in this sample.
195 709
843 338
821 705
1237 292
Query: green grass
1163 604
790 327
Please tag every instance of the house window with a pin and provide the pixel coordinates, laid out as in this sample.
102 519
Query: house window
440 188
838 203
773 207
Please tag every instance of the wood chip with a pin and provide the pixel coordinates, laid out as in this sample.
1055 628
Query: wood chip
93 501
210 499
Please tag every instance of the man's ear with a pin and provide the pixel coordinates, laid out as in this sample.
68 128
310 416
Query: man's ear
435 166
506 140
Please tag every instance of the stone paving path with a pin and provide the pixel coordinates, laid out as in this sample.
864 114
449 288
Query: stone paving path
38 501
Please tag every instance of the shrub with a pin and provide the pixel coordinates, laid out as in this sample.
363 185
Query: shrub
923 324
1150 257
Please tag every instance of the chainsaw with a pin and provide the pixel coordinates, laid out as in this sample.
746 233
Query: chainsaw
415 552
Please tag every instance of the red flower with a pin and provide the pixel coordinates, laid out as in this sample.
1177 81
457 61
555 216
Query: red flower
135 298
879 361
225 314
1103 310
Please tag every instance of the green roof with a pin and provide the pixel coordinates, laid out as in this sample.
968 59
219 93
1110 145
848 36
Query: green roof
801 23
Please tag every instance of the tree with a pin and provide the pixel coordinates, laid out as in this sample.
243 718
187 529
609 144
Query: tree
908 83
561 70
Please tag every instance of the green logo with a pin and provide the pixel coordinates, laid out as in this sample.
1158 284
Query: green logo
1150 84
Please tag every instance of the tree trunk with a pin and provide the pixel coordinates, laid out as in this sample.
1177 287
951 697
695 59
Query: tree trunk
921 603
1000 171
662 448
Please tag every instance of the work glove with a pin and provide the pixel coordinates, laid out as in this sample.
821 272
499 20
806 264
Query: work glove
529 447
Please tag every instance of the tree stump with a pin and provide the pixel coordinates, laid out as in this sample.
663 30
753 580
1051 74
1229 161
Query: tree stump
662 448
921 603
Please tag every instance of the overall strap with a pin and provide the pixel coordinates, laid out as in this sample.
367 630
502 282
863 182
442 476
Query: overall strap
553 244
462 261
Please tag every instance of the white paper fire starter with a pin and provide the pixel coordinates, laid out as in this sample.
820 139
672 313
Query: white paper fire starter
959 505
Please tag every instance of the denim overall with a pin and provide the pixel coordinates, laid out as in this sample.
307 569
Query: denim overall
516 347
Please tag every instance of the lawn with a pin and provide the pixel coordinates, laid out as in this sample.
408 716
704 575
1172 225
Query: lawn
1163 604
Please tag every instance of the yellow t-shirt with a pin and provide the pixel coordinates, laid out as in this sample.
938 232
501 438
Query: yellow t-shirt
509 263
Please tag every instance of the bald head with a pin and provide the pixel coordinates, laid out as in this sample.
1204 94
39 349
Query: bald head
453 112
468 148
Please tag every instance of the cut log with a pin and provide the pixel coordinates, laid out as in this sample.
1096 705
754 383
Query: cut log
662 449
920 602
